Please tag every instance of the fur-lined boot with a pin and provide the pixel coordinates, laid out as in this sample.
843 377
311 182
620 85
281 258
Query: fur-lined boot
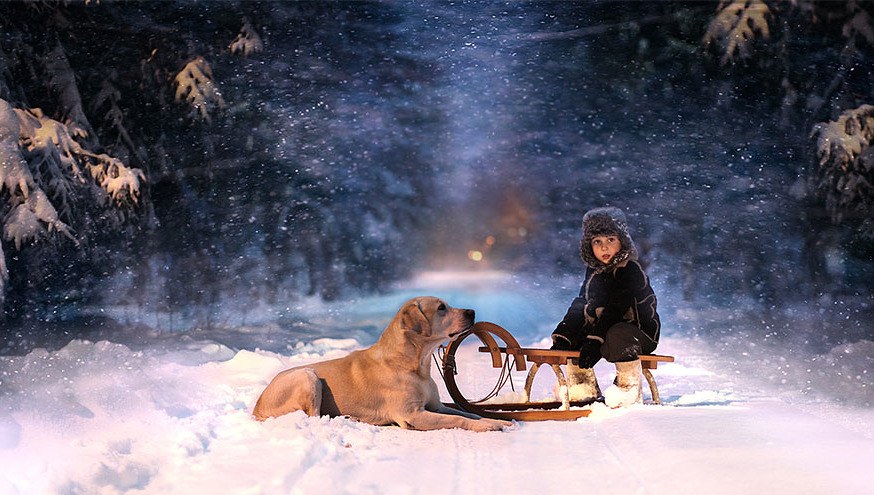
582 384
625 390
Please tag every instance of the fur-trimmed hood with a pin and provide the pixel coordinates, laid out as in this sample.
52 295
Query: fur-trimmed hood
605 221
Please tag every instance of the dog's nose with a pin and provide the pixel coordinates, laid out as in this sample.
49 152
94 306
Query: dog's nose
470 314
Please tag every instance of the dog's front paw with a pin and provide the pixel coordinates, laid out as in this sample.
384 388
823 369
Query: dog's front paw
501 422
486 425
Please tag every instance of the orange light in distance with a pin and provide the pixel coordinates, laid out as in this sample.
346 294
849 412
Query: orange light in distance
475 255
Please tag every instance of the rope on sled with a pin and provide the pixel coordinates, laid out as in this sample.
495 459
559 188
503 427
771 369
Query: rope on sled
502 381
503 377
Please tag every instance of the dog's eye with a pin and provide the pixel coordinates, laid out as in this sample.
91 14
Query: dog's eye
442 307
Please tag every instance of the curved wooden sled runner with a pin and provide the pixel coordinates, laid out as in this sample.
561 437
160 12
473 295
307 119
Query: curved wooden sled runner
501 356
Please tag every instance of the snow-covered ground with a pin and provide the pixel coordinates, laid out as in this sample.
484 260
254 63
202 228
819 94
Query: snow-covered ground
171 414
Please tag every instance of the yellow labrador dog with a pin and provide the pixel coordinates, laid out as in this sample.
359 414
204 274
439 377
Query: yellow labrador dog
388 383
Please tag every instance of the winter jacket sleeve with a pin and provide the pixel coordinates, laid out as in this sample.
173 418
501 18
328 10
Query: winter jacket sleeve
628 280
570 332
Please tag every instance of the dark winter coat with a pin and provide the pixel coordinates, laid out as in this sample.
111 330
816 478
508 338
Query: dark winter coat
612 293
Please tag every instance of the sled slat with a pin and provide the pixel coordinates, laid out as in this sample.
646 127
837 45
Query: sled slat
536 412
550 356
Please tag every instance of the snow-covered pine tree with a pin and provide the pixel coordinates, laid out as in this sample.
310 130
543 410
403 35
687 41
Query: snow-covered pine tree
45 172
846 166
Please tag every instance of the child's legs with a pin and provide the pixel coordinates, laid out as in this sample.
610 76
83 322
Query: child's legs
624 342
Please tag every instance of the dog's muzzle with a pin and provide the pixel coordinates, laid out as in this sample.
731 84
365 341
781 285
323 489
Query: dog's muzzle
470 316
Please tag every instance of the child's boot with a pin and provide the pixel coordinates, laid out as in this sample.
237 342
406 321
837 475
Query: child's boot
625 390
582 383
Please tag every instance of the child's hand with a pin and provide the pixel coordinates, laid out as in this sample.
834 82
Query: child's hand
590 353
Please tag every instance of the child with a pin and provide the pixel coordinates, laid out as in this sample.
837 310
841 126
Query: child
614 316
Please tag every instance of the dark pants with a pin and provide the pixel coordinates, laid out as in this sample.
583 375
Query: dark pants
624 342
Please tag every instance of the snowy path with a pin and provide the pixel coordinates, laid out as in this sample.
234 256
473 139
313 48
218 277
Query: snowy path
173 417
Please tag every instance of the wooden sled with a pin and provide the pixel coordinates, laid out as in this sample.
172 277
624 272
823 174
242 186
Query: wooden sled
501 357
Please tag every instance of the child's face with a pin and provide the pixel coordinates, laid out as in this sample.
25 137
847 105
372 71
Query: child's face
605 247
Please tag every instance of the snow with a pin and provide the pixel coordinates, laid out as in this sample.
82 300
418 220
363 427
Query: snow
171 414
616 397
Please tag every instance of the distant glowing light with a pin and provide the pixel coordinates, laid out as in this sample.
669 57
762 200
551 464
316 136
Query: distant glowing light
475 255
490 240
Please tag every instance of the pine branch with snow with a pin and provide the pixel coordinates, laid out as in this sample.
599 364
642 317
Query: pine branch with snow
247 42
196 85
30 213
31 219
14 175
845 164
120 182
51 148
735 27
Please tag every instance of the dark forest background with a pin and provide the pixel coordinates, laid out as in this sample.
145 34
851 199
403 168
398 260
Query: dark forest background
332 148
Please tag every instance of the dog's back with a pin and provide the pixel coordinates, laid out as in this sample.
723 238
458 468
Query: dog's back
321 388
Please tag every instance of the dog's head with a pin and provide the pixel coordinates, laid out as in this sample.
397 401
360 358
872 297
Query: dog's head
433 319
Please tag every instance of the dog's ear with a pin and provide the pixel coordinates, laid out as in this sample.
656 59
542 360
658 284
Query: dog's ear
413 319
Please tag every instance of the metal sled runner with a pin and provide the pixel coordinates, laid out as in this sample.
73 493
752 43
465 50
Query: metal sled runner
501 357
